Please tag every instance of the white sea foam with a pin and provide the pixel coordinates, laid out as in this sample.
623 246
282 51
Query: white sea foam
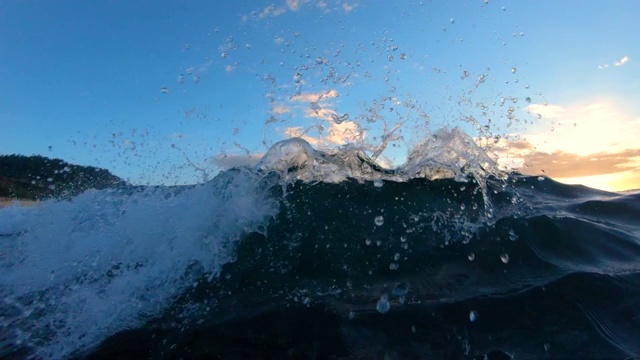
75 272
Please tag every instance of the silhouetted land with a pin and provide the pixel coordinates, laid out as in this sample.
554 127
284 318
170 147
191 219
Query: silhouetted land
39 178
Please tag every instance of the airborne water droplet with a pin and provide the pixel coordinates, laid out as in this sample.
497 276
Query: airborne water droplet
396 257
393 266
383 305
379 220
367 242
504 257
471 256
403 238
512 235
513 70
473 316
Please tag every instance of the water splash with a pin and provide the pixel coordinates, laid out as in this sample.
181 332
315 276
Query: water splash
77 271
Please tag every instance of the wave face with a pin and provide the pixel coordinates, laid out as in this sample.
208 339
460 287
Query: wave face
317 255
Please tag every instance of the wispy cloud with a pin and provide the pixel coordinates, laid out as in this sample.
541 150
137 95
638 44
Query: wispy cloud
348 7
315 96
546 110
622 61
293 5
228 161
273 11
625 59
279 109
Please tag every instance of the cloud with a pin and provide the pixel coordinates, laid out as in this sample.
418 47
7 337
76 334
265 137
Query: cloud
271 11
622 61
320 113
348 7
293 5
584 128
546 110
625 59
336 134
228 161
315 97
343 133
594 144
299 132
279 109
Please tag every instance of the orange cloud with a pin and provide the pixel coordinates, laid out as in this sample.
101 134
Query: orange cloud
594 144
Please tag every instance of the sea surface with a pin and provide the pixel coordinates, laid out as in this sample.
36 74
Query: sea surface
312 255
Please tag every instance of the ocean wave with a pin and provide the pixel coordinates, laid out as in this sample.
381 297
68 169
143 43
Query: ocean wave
315 254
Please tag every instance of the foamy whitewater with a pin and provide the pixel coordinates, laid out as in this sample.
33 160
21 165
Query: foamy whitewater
327 254
75 272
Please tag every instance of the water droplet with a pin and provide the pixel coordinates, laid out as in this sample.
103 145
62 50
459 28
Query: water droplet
403 238
403 56
352 315
367 242
486 1
452 21
224 55
393 266
504 257
378 242
319 60
297 77
396 257
413 329
471 256
390 57
547 346
473 316
339 119
164 90
383 306
401 289
462 206
512 235
504 8
379 220
540 178
513 70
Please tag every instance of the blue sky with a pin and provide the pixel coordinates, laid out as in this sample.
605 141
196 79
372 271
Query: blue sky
152 90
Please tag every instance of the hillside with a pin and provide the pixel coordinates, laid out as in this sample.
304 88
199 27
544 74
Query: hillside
39 177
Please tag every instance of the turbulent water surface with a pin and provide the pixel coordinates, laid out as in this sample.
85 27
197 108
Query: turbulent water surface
316 255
